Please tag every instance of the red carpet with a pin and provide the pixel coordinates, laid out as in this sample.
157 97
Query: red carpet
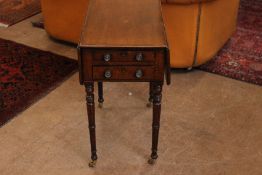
241 57
26 74
14 11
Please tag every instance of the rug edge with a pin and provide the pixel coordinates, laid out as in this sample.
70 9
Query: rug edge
50 89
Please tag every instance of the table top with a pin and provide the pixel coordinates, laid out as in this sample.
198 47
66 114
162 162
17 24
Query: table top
124 23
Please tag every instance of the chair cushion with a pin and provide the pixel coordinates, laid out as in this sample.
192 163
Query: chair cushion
185 1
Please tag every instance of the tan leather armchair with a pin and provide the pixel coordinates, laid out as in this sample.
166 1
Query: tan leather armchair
64 18
196 29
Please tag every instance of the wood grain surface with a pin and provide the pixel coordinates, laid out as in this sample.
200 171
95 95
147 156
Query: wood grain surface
130 24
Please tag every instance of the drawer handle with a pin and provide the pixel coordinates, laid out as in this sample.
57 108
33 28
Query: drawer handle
139 73
139 57
107 57
108 74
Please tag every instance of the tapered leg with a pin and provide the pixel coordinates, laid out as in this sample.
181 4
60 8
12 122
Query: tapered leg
100 94
150 99
157 96
91 120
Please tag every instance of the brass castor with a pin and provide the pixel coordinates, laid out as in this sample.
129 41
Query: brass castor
92 164
100 105
151 161
189 68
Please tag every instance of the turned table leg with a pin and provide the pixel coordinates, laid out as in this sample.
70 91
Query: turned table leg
157 96
150 99
100 94
91 120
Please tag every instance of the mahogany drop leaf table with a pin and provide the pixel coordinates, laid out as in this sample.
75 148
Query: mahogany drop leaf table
124 41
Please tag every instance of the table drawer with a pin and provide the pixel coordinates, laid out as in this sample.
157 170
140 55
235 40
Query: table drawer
138 73
109 56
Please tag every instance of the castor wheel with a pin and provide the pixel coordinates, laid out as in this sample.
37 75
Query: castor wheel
189 68
92 164
149 104
151 161
100 105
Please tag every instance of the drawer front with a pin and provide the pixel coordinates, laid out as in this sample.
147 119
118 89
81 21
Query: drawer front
110 56
133 73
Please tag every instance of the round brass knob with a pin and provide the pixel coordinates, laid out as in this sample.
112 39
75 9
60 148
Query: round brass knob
139 57
108 74
107 57
139 73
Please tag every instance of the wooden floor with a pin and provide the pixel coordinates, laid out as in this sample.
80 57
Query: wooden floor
210 125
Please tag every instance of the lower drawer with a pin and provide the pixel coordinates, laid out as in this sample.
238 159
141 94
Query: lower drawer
132 73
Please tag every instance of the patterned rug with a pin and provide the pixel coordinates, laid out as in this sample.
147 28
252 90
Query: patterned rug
26 75
14 11
241 57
